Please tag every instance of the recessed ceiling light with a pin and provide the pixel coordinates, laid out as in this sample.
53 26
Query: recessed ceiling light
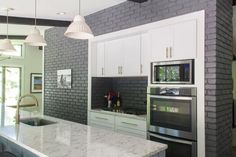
61 13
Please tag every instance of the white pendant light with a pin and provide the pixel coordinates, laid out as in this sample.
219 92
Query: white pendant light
79 29
35 38
6 45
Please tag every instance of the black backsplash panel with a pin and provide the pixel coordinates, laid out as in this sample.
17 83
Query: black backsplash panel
100 86
133 91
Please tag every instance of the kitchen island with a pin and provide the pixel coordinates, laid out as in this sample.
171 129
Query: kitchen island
69 139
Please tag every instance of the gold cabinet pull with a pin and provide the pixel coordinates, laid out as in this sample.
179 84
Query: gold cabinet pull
132 124
167 52
102 71
170 52
141 68
101 118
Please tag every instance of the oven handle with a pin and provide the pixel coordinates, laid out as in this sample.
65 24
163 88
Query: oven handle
170 139
171 97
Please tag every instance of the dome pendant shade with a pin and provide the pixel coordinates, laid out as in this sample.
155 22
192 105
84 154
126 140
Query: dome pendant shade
6 46
35 38
79 29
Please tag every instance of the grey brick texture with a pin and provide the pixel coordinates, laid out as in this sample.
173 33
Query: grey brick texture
63 53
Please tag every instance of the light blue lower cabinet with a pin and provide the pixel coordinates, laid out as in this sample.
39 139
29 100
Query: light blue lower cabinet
161 154
118 123
15 149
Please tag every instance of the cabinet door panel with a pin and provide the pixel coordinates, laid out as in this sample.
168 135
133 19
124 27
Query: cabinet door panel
145 55
100 59
113 57
161 39
185 40
131 55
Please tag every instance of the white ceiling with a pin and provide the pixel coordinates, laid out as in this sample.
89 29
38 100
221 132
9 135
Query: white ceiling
47 9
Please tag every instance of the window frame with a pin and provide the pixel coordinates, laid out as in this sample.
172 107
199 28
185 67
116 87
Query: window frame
17 42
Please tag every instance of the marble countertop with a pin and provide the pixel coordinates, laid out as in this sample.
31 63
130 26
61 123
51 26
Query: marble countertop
69 139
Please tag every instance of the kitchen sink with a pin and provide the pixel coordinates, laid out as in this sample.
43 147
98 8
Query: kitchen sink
36 122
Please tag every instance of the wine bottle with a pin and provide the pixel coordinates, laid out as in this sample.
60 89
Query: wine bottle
118 102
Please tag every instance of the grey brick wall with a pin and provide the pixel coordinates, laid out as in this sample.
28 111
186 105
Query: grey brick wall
133 91
71 104
219 89
63 53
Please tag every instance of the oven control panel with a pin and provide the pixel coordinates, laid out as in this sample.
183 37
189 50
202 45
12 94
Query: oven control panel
186 91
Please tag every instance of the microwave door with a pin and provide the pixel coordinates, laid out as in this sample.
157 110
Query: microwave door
175 72
160 74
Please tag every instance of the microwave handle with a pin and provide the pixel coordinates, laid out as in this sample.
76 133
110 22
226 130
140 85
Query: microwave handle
171 140
171 97
153 74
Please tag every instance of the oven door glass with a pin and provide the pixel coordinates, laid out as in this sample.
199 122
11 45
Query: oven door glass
171 112
175 73
176 147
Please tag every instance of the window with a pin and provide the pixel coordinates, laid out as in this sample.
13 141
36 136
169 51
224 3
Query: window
17 53
10 90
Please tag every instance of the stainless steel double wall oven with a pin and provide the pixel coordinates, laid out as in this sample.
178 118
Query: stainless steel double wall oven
172 111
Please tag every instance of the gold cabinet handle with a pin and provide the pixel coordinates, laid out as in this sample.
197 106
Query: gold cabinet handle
132 124
170 52
167 52
121 69
141 68
101 118
102 71
118 70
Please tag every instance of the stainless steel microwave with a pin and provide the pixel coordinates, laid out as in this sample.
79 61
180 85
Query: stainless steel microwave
173 72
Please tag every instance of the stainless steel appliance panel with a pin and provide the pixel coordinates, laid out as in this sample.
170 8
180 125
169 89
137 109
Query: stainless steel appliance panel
172 72
171 113
176 147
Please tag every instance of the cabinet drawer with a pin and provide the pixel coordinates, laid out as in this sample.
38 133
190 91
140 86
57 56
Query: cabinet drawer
102 125
132 132
131 123
102 118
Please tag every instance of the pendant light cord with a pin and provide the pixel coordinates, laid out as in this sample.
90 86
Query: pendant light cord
7 22
35 13
79 7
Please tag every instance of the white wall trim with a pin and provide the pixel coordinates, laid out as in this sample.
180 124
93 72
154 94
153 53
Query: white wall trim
42 108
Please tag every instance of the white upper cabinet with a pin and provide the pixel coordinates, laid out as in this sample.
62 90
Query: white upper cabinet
145 55
174 42
131 53
185 40
114 57
119 57
161 39
100 59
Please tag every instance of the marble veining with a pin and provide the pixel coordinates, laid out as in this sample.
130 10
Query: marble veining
69 139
